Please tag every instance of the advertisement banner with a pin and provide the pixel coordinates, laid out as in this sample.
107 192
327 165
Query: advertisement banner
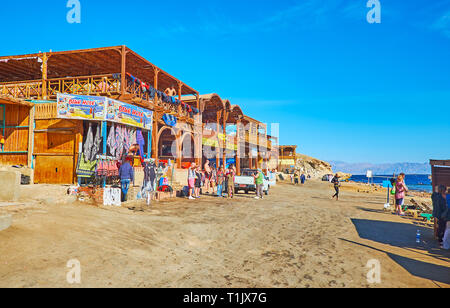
98 108
127 114
81 107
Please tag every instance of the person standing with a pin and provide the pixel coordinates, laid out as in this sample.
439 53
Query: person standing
207 169
259 181
440 211
400 193
337 184
198 182
295 178
213 180
230 182
191 181
303 179
220 182
126 173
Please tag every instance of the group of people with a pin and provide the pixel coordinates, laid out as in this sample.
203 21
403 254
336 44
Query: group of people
298 178
211 180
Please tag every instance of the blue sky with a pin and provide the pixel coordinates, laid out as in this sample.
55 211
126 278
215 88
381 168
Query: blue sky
341 88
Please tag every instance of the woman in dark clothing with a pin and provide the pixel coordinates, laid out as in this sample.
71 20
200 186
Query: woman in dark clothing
440 211
337 184
198 182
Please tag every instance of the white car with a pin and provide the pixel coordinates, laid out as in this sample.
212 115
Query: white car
246 182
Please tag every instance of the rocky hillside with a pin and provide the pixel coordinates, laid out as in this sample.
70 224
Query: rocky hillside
312 166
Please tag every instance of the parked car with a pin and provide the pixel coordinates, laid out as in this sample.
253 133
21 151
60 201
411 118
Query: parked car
246 182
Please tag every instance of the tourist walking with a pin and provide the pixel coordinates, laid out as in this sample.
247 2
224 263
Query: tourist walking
337 184
400 194
126 173
259 181
220 182
191 181
440 211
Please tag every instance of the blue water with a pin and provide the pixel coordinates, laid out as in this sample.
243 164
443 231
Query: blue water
415 182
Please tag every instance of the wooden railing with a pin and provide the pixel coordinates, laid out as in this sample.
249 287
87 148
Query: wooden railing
85 85
103 85
28 90
45 111
90 85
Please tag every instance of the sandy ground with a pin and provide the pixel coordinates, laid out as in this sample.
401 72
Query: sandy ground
295 237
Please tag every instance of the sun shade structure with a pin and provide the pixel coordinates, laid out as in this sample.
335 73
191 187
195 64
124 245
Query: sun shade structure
87 62
49 136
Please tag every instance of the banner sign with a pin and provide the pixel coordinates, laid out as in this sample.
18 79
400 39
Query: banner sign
98 108
287 162
81 107
127 114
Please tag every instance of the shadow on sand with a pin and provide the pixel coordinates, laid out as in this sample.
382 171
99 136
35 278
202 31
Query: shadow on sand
416 268
403 235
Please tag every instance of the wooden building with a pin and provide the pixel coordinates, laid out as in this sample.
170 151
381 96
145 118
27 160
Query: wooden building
288 156
229 136
440 173
184 124
36 136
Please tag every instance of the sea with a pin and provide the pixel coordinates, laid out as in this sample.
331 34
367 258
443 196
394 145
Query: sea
415 182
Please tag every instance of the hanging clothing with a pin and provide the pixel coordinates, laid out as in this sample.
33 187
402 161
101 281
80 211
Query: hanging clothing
112 141
97 144
119 141
87 149
127 139
141 141
85 169
133 137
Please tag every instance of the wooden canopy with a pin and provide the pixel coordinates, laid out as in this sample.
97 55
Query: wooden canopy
6 99
87 62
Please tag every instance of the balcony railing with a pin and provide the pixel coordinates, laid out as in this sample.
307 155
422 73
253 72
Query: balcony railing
102 85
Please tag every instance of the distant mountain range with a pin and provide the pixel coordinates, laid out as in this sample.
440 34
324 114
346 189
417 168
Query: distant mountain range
381 169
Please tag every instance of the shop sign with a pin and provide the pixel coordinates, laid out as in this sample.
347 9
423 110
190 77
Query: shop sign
99 108
81 107
127 114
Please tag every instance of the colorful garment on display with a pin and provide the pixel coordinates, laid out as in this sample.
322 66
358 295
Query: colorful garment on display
97 144
119 141
85 169
133 137
112 140
141 141
170 120
87 149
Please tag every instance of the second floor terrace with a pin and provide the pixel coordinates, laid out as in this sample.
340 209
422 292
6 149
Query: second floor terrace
116 72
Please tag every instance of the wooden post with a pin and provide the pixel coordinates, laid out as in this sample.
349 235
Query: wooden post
179 146
123 71
180 85
155 142
225 118
238 152
44 75
30 137
218 148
